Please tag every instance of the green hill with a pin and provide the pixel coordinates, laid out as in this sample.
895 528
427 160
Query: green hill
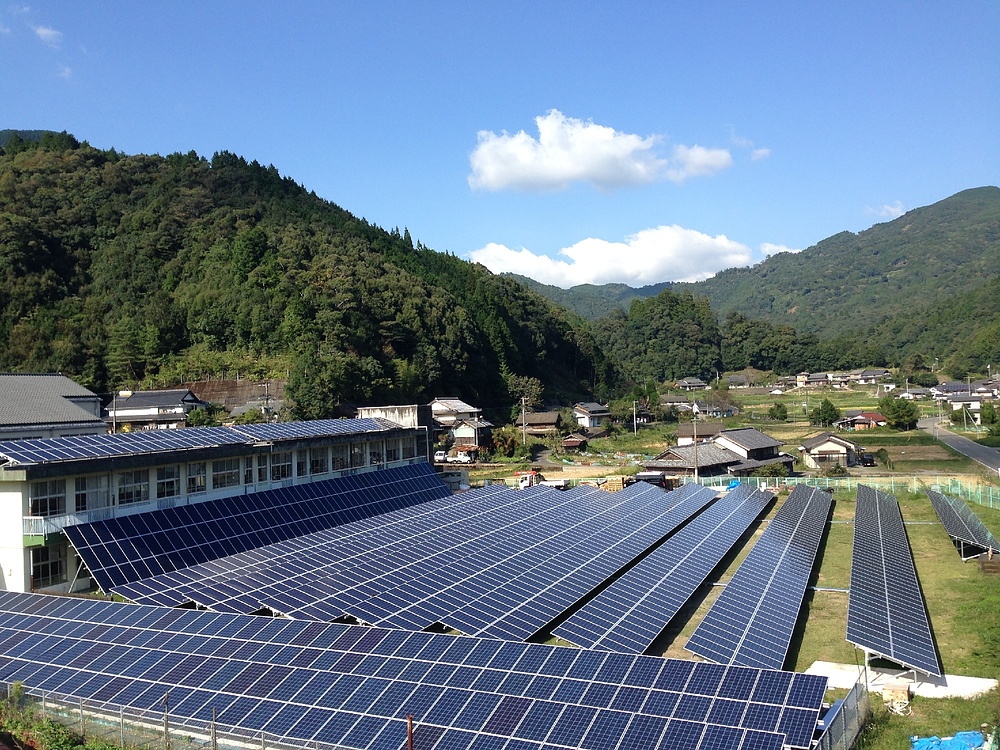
145 269
592 301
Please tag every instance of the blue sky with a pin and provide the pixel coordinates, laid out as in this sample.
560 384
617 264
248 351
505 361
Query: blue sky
573 142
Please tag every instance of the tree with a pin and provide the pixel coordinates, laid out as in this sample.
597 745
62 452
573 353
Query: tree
778 412
825 414
772 470
899 413
988 413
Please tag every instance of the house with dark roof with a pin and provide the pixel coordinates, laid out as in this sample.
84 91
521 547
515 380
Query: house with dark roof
151 410
691 384
540 422
591 414
44 405
735 452
869 376
463 422
705 431
828 449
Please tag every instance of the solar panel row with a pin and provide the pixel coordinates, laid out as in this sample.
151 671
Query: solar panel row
886 614
962 525
494 561
751 623
122 550
45 450
353 686
524 606
630 614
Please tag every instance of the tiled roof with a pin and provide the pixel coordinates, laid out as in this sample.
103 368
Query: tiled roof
42 399
591 407
540 418
750 438
817 441
705 429
683 456
147 399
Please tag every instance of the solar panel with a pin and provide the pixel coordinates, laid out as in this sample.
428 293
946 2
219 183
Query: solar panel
968 533
886 614
123 550
353 686
522 607
751 623
630 614
74 447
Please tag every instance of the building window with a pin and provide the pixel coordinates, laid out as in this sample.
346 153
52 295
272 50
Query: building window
225 473
392 451
301 463
281 466
341 457
374 453
318 461
357 455
48 498
262 468
196 478
48 566
409 447
133 487
92 492
248 470
168 481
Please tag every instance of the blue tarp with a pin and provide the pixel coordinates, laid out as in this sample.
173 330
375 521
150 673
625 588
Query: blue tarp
961 741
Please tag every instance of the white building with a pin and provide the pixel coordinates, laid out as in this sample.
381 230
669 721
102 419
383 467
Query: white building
47 485
152 410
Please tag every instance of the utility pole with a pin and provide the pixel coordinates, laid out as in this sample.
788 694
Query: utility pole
524 426
635 427
694 426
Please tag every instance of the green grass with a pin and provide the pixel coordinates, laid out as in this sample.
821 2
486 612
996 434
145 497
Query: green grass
940 717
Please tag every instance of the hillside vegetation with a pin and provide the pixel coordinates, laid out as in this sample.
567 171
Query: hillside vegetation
134 269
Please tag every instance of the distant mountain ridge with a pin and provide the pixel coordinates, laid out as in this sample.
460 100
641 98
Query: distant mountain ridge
846 282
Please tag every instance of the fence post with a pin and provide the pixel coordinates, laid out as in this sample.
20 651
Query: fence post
121 724
215 745
262 745
83 724
166 720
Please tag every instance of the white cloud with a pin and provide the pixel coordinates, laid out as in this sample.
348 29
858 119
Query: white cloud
695 161
64 71
48 35
665 253
760 153
888 211
769 248
570 150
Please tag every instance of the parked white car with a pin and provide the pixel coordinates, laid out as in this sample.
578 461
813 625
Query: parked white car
440 457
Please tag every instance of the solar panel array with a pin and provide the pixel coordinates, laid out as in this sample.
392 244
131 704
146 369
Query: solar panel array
630 614
962 524
353 686
47 450
494 561
123 550
751 623
886 614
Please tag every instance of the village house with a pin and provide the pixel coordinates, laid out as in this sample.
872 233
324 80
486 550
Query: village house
460 421
857 419
705 431
540 422
691 384
151 410
828 449
738 452
590 414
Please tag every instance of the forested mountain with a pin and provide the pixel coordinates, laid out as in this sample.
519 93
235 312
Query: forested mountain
924 285
123 269
853 281
592 301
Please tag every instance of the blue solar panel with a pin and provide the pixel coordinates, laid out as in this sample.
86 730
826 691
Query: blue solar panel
124 550
47 450
630 614
968 533
130 656
751 623
527 603
886 614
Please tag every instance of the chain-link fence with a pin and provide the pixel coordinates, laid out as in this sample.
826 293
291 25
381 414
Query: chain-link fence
149 730
982 494
847 720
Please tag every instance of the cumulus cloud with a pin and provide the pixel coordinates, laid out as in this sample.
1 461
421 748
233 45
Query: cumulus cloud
64 71
664 253
769 248
760 153
695 161
48 35
569 150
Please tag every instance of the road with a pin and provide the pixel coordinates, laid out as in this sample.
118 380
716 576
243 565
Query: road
988 457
